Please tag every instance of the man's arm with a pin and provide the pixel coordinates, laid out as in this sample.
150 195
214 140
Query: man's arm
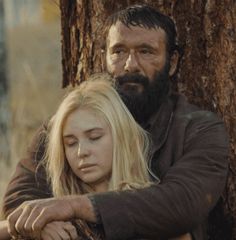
30 218
29 180
179 204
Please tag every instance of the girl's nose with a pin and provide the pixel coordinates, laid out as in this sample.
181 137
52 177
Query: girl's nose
83 150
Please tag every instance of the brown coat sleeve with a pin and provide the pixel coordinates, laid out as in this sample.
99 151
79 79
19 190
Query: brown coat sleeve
29 180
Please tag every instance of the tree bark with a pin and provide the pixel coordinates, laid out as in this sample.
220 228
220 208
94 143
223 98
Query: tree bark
207 75
4 108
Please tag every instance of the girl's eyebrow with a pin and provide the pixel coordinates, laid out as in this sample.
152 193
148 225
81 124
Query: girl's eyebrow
94 129
86 131
68 136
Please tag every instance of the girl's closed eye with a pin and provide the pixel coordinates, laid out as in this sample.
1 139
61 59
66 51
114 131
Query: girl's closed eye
69 142
95 137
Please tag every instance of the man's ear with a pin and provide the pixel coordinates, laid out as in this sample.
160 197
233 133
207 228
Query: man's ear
174 60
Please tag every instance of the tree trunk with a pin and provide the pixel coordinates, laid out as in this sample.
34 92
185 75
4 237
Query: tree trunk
4 110
207 74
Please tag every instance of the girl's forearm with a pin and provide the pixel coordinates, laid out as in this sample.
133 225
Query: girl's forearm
4 235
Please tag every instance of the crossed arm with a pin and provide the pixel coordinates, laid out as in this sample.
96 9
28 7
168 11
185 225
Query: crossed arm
187 198
55 230
32 216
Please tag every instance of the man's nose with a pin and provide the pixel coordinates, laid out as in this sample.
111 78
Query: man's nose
132 64
83 150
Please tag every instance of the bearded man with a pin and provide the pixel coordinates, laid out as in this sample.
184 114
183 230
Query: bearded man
190 146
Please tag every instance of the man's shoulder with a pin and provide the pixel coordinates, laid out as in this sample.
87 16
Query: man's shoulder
186 111
178 116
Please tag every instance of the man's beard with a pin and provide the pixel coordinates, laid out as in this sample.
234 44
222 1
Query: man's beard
144 104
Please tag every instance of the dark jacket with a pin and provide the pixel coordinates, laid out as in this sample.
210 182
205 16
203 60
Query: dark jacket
190 156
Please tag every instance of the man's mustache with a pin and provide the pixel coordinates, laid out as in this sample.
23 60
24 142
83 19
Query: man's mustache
132 78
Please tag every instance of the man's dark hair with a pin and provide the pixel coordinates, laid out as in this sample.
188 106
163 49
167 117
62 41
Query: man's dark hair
147 17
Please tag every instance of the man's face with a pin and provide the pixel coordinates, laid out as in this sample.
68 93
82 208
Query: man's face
135 50
137 58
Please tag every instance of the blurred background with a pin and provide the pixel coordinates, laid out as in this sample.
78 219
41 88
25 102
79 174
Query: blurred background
30 75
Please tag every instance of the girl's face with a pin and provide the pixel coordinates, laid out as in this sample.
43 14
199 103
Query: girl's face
88 146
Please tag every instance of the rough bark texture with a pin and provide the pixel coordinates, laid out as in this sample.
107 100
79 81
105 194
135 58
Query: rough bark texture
207 73
4 109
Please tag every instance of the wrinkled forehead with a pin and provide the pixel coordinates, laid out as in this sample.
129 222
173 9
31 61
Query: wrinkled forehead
120 33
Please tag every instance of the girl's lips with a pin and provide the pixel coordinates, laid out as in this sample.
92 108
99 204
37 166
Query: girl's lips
85 166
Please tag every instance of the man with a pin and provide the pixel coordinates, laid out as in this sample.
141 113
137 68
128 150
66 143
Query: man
190 146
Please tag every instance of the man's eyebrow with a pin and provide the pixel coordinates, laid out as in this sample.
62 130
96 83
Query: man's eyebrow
145 45
117 45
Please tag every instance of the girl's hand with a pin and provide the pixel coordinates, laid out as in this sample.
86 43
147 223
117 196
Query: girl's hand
59 230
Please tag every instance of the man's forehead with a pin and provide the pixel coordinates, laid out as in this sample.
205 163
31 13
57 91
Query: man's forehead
119 26
121 32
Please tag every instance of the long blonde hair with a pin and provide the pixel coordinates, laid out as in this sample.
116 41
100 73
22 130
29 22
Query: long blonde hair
130 141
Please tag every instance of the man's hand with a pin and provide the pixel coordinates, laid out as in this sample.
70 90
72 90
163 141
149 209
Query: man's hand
59 230
29 219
